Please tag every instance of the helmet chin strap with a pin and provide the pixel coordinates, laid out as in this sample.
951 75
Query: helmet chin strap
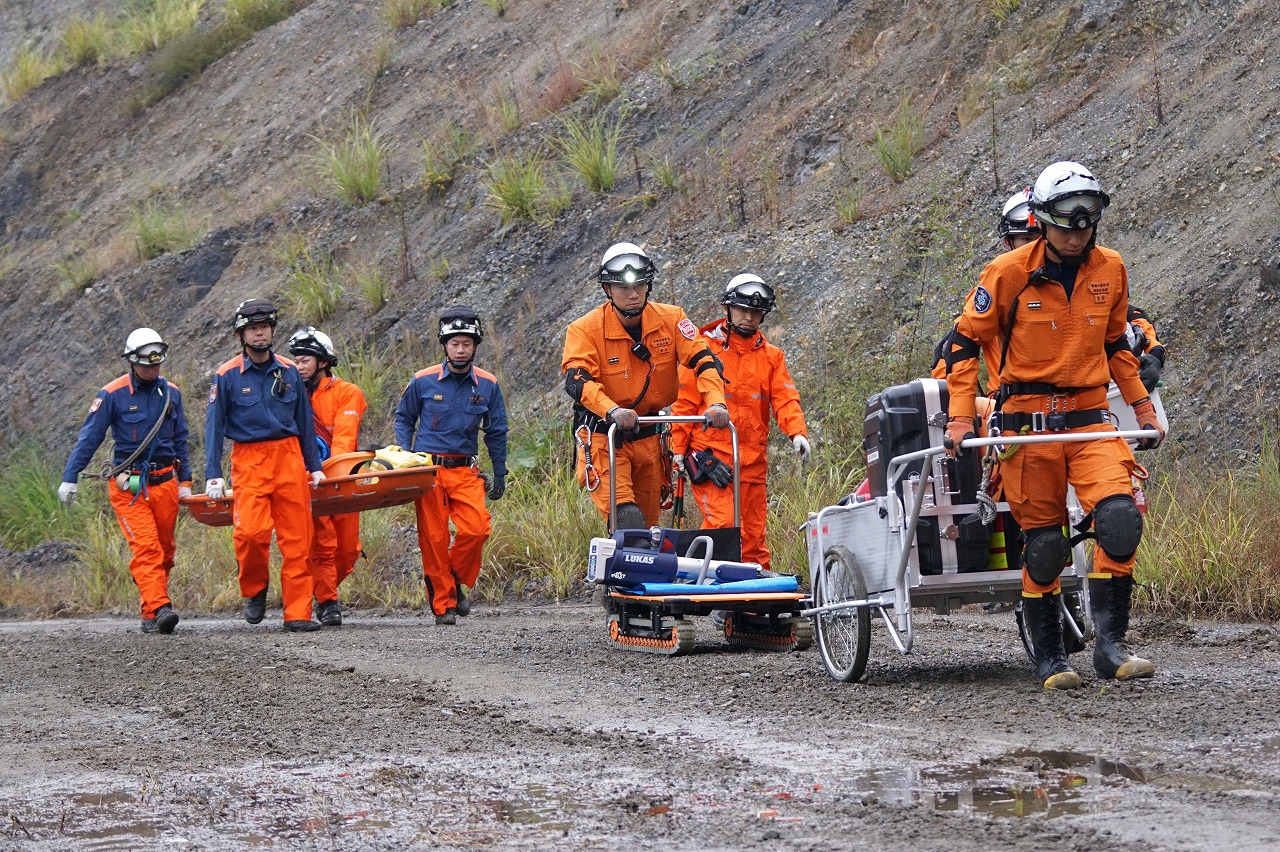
635 312
259 347
460 365
1072 261
738 330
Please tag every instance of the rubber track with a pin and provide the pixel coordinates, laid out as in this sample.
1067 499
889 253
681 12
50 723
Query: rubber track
679 641
799 637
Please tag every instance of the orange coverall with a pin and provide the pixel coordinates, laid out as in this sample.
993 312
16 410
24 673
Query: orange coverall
602 372
1075 345
757 386
337 407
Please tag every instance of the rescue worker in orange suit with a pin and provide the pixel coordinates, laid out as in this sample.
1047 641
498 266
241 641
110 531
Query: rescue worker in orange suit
621 362
258 402
1017 227
1060 305
757 387
1146 346
337 407
152 470
441 412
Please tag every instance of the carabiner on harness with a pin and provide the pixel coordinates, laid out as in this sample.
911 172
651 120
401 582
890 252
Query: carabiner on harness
582 435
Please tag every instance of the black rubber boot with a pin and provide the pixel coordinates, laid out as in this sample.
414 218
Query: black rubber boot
463 607
1044 626
255 608
1109 597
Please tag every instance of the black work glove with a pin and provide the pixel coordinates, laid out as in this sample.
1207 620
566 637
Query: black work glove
703 466
1149 367
497 486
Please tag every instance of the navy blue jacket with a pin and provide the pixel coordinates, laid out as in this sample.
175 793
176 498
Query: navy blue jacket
129 411
441 412
251 402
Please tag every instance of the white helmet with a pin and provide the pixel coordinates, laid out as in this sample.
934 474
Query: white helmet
749 291
1016 219
311 341
145 346
626 263
1067 195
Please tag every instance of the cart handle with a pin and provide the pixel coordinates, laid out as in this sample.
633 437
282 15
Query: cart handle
653 420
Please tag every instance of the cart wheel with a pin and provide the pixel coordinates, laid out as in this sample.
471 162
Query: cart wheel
844 636
1070 642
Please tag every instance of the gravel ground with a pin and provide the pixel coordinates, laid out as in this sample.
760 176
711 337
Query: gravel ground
523 728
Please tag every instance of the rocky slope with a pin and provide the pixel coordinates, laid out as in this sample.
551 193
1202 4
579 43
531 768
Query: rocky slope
767 110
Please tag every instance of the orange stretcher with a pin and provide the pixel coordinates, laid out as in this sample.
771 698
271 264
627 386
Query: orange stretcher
367 485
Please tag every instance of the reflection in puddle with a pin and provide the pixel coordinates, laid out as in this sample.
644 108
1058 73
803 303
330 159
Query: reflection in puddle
539 807
1022 783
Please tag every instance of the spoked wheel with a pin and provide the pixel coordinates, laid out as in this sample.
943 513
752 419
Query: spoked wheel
844 636
1071 643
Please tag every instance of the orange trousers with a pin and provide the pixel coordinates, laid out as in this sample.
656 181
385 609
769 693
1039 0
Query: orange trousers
640 475
716 505
271 490
147 524
458 496
1035 484
335 548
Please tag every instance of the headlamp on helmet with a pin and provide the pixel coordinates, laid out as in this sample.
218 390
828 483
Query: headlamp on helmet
313 342
749 291
1068 196
460 320
626 264
252 311
145 346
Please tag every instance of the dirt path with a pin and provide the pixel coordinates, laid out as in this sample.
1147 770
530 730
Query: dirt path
522 728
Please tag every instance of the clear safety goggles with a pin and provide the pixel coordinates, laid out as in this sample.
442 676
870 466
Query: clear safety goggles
1076 211
627 269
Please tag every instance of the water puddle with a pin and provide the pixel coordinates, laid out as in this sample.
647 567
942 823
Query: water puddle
1021 783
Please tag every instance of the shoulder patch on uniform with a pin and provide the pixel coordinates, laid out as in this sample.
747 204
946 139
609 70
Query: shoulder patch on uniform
95 405
213 394
981 299
687 328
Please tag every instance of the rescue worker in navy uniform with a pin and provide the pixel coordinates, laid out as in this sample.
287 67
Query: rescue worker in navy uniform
259 402
145 494
1059 306
621 362
441 412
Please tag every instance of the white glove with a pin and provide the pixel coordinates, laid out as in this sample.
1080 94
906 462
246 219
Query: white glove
184 492
67 491
317 476
215 488
677 461
801 443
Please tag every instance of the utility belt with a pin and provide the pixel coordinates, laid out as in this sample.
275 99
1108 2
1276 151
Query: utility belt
453 461
157 477
1012 422
600 426
1036 389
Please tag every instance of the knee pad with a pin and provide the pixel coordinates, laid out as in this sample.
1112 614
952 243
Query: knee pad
630 517
1118 525
1046 554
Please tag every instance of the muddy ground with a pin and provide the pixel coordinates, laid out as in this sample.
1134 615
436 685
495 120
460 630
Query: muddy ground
523 728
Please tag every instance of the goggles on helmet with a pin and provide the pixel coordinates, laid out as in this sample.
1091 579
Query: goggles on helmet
628 270
753 294
149 355
305 342
451 326
1075 211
